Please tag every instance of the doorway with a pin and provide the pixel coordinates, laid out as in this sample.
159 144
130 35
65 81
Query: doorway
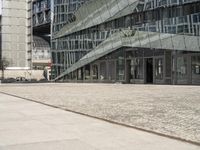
128 71
149 70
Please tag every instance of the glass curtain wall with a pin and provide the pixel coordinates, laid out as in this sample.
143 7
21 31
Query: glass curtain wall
41 12
196 69
159 68
65 49
182 72
175 17
137 68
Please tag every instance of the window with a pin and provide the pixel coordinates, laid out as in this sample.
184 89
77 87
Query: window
163 2
54 57
95 72
183 29
103 71
137 68
120 66
159 68
152 29
180 29
195 18
172 29
182 67
196 65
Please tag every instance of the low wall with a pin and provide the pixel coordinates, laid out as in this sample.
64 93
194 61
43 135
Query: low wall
28 74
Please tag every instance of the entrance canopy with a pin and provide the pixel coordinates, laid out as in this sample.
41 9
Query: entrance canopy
138 39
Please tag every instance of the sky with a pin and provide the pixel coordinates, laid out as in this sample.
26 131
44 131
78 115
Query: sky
0 7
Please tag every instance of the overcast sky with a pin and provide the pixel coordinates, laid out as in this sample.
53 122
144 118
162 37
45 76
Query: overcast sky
0 7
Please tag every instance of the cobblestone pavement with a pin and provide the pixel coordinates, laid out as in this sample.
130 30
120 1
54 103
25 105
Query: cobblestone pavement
166 109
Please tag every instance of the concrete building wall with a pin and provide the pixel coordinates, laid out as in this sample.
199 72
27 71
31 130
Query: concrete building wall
16 33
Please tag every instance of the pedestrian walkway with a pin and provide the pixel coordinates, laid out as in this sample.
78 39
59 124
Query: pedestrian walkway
163 109
26 125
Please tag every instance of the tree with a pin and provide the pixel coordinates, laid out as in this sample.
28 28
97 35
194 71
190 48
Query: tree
3 64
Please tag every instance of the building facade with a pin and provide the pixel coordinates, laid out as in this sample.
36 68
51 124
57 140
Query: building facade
16 33
48 17
41 13
63 14
41 28
131 41
40 53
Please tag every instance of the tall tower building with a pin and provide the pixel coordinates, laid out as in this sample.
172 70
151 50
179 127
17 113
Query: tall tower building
16 33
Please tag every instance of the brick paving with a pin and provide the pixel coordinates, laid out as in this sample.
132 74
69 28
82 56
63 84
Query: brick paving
166 109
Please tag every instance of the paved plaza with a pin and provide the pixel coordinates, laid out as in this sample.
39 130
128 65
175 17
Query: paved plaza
26 125
164 109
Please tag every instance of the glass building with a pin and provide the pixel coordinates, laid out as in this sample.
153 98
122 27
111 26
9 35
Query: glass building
41 28
64 12
129 41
